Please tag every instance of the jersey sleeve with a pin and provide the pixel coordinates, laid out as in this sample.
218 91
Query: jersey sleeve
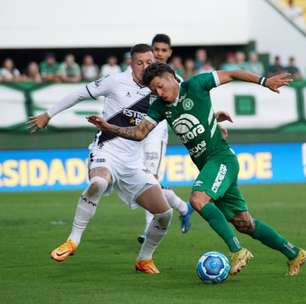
208 81
100 87
155 113
68 101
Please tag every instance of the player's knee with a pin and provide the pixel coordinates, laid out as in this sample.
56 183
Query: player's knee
97 186
244 223
198 200
164 219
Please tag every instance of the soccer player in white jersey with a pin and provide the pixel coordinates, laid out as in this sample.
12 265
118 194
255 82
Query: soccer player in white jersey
113 161
154 147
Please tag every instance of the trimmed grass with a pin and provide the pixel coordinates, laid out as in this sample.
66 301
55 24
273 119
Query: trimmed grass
102 271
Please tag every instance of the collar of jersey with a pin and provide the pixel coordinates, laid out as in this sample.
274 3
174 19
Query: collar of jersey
174 104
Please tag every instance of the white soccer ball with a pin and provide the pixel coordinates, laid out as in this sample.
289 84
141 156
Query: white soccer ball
213 267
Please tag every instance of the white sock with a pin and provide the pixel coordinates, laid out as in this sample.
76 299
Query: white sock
86 207
149 217
175 202
157 230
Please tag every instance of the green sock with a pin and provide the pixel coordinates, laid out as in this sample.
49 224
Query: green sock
271 238
218 222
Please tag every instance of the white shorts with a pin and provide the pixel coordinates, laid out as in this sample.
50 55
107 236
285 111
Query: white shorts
154 148
153 154
129 183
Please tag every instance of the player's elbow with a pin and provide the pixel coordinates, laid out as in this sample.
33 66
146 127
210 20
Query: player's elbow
140 136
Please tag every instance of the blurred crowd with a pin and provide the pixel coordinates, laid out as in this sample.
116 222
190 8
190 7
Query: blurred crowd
70 71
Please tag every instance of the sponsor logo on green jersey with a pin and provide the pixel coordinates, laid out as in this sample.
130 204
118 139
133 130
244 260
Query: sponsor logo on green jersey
188 127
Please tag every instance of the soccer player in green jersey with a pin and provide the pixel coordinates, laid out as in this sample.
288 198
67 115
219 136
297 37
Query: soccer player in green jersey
215 195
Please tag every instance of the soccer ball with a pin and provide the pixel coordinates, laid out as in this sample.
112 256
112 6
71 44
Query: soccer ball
213 267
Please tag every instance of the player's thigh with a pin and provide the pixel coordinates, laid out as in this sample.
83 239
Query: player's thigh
131 184
153 200
216 177
232 203
153 153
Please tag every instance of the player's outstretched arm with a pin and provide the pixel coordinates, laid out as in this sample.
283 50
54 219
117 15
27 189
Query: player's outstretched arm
273 83
137 133
38 122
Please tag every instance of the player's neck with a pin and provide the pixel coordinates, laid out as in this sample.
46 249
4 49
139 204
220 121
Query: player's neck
137 81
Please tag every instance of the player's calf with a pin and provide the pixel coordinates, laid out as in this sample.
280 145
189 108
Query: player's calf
157 230
244 223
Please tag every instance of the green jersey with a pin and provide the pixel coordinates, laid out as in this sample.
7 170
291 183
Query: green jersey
192 118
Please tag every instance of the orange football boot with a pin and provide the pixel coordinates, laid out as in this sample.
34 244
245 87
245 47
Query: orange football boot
146 266
62 252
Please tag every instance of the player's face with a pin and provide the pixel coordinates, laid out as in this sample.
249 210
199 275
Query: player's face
166 87
162 51
140 61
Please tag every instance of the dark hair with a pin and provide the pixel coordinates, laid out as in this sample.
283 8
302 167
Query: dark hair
140 48
154 70
161 38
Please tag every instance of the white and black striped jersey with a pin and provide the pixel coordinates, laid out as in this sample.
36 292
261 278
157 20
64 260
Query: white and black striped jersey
125 104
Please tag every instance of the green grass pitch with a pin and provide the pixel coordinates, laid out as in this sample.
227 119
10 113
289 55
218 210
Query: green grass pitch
102 270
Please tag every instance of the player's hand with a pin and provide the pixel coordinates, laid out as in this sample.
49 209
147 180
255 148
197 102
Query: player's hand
223 116
277 81
99 122
36 123
224 132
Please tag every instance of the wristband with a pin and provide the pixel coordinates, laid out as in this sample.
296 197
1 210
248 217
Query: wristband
262 81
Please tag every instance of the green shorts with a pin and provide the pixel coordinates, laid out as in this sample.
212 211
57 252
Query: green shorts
218 179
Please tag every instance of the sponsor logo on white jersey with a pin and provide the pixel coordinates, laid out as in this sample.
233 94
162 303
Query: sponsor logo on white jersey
187 127
136 117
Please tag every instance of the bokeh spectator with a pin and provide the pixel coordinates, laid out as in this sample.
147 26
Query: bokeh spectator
110 67
231 63
206 68
8 72
32 73
49 69
200 60
189 69
69 70
126 61
177 66
254 65
240 57
276 67
295 13
89 69
293 69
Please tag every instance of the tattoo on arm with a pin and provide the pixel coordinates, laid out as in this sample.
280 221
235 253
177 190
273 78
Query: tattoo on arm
137 133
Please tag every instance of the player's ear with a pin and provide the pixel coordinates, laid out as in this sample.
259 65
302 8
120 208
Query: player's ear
168 76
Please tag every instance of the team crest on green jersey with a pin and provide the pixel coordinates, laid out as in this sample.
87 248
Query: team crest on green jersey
188 104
